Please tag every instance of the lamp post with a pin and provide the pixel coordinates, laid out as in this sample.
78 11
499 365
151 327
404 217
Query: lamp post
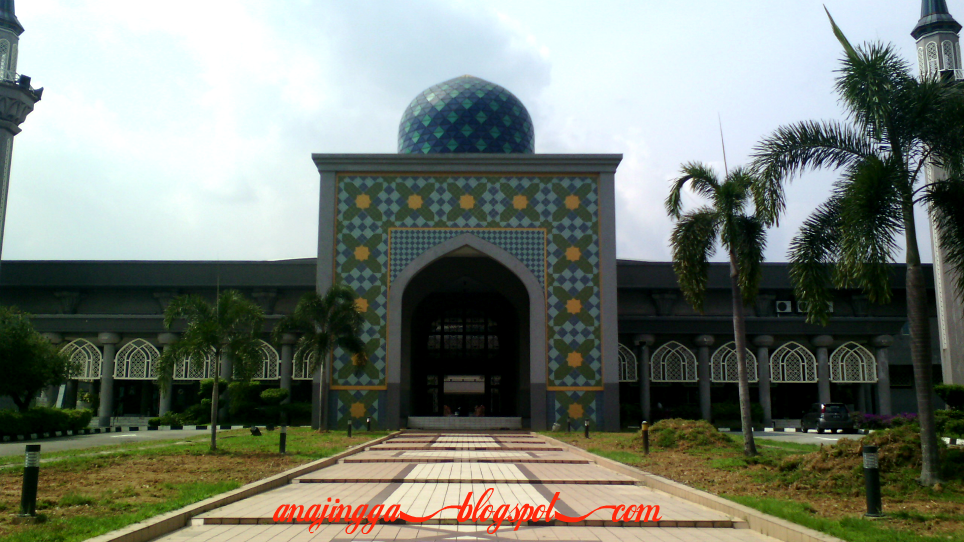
872 482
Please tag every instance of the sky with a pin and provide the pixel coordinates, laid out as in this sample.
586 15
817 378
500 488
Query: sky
184 130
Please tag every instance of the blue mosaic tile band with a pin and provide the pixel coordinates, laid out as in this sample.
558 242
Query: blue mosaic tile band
528 246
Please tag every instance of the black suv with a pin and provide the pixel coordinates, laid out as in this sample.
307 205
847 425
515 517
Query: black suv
828 417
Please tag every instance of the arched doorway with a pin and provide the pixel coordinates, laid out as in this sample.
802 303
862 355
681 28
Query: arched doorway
484 292
465 353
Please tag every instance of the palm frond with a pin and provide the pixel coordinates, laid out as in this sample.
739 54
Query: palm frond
703 181
793 149
869 85
946 199
813 252
694 242
871 218
840 35
748 242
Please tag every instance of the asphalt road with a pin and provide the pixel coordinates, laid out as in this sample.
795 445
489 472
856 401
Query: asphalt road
79 442
802 438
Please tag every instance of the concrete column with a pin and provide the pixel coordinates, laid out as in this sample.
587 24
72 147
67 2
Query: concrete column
316 399
643 342
287 354
227 373
703 374
50 393
167 392
109 340
822 342
883 342
763 344
70 394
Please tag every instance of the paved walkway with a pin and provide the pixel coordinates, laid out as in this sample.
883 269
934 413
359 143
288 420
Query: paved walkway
425 472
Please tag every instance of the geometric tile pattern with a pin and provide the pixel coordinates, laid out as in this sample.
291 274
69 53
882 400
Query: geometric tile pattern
529 246
356 406
466 115
576 407
550 223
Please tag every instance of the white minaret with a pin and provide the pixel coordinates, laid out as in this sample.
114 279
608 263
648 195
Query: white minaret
17 99
939 55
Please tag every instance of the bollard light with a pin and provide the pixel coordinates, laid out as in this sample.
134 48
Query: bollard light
872 482
568 425
368 422
284 439
31 476
645 429
349 428
587 429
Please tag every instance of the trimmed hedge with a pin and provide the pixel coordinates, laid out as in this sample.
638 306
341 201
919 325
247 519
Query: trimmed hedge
951 394
43 420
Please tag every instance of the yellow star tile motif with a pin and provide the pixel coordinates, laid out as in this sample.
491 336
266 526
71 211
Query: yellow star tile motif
363 201
572 202
415 201
362 253
358 410
575 411
357 360
361 304
573 254
467 202
574 359
574 306
520 202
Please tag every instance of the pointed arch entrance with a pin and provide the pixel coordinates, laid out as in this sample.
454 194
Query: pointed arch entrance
472 279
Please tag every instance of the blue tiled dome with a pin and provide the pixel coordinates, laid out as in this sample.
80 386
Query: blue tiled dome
466 114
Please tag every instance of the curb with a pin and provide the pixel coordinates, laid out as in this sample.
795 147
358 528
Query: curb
119 429
167 523
764 524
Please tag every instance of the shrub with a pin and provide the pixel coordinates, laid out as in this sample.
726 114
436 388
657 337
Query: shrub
877 421
43 420
952 394
245 400
274 396
207 387
950 423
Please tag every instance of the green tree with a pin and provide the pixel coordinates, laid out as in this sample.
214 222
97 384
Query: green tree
230 328
696 234
896 126
28 362
327 322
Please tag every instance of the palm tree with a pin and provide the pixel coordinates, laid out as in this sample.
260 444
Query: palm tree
897 125
327 322
694 241
229 328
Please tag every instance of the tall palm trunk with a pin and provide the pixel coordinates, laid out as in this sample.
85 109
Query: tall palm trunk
739 333
323 396
920 353
215 395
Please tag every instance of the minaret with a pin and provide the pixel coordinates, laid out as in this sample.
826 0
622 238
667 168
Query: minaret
17 98
939 54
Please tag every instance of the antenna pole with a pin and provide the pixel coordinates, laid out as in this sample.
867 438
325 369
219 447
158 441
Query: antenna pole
726 168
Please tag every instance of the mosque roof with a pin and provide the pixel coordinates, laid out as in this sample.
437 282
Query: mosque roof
8 16
466 115
934 17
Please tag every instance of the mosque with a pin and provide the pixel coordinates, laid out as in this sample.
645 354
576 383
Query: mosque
487 274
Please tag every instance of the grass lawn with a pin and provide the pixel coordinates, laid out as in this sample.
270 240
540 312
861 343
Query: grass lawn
818 487
86 495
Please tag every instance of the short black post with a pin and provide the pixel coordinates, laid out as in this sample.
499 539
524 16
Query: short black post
284 439
568 425
872 482
587 428
349 428
368 421
31 476
645 430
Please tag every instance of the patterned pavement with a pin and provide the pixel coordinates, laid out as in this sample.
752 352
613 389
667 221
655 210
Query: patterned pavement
429 475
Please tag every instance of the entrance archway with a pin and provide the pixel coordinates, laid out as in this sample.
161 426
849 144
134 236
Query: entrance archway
482 278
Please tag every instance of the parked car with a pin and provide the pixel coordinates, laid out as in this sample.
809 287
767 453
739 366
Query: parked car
828 417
